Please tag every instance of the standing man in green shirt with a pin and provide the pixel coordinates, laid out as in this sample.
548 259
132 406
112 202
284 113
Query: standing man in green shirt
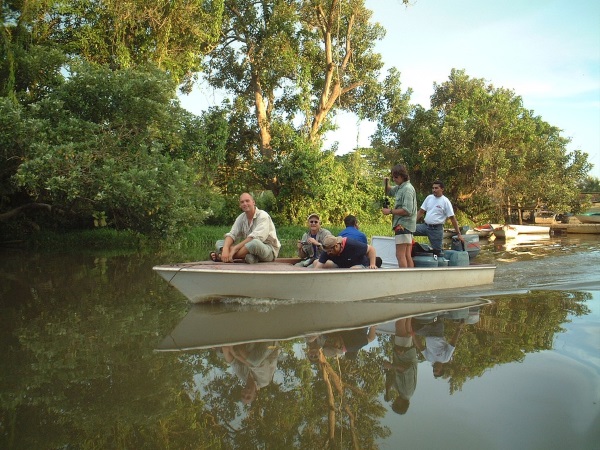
404 211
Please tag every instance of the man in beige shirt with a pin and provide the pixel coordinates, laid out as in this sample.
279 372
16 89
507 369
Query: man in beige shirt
255 232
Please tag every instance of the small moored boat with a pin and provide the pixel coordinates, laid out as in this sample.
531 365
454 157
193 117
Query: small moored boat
506 232
484 231
589 217
531 229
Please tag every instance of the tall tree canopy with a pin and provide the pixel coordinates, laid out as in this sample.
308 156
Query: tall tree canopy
494 154
91 125
175 35
294 64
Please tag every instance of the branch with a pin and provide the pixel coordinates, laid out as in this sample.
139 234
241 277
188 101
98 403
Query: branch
22 209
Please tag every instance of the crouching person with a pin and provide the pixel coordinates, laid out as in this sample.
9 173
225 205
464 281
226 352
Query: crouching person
346 253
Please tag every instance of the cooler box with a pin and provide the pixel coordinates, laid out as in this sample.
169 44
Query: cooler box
456 258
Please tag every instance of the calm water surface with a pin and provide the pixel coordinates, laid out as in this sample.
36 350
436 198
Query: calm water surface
98 352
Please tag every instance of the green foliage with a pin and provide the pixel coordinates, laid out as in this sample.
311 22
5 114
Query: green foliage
30 62
173 35
103 145
493 154
89 122
590 184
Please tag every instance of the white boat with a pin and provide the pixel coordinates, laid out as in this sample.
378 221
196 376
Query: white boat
589 217
484 231
207 280
531 229
214 325
506 232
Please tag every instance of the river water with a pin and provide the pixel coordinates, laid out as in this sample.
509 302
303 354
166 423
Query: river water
98 352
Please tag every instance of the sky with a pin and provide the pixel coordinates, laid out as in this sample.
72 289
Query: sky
546 51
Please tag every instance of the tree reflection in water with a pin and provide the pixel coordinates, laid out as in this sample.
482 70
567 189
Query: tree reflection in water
329 394
78 348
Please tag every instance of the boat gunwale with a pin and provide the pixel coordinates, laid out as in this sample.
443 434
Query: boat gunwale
267 269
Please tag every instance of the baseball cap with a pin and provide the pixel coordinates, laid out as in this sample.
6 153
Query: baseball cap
329 241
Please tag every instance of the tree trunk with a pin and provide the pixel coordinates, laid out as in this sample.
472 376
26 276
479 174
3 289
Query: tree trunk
262 118
334 71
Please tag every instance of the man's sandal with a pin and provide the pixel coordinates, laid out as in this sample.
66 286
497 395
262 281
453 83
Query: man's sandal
215 257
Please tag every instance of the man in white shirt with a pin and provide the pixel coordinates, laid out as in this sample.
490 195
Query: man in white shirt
437 209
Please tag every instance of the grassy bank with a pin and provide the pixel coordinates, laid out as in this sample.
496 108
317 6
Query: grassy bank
199 242
195 244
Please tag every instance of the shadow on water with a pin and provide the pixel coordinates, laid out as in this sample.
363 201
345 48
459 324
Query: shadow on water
100 352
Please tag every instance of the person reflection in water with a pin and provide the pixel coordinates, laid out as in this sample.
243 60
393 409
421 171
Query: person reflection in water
401 372
254 364
345 343
314 346
436 349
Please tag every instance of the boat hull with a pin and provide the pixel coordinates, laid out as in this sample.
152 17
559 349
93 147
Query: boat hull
588 218
531 229
506 232
484 231
208 281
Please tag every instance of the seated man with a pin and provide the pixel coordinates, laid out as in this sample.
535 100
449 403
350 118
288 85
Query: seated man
255 232
352 230
311 244
346 253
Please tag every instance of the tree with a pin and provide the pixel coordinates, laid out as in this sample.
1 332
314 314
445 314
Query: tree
174 35
492 153
30 62
256 55
590 184
86 148
103 143
343 65
294 63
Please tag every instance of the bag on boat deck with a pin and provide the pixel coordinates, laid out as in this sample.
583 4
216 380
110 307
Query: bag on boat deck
306 262
418 248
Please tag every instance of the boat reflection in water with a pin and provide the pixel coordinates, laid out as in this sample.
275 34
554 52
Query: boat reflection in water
249 337
213 325
359 374
523 242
